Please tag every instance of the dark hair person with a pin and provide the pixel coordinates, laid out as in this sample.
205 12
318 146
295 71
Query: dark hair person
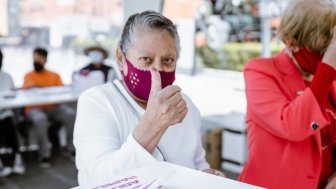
127 124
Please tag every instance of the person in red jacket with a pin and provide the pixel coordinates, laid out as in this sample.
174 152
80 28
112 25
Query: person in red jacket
291 110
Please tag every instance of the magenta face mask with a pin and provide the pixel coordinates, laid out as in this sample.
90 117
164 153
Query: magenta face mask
139 81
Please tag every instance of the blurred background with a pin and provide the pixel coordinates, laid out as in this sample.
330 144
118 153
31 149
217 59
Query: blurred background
217 38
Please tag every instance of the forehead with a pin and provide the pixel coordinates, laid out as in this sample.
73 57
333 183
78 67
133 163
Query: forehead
39 57
153 41
36 55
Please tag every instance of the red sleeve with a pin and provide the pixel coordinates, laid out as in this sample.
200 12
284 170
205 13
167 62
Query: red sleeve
323 79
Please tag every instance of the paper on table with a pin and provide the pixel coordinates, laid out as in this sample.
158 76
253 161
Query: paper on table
168 176
7 94
133 182
143 178
52 90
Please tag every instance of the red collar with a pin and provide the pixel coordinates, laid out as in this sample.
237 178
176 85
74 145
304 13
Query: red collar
285 64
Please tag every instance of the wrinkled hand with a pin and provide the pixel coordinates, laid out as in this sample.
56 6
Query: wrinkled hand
165 107
330 54
214 172
331 182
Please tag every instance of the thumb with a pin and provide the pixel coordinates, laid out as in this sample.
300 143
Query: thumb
156 80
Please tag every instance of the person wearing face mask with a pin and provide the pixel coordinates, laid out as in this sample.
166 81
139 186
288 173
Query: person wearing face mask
97 56
40 115
291 110
144 118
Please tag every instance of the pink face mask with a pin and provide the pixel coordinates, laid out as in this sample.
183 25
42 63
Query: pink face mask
139 81
308 60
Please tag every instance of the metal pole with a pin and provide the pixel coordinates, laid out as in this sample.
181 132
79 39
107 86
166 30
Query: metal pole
265 28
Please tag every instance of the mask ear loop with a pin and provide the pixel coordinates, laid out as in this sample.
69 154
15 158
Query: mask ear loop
124 54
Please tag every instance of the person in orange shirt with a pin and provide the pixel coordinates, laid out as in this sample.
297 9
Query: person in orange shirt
40 115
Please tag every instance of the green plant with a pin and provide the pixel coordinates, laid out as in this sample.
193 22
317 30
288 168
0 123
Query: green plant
233 56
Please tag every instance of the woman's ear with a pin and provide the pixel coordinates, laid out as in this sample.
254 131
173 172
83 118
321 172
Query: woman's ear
292 45
120 59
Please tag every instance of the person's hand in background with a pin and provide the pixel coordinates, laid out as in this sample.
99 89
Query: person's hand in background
330 54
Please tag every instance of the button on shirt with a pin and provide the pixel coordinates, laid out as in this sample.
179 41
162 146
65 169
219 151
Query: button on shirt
314 125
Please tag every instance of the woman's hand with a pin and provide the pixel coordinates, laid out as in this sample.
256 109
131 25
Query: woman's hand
165 107
214 172
330 54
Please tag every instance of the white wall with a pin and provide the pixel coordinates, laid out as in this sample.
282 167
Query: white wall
134 6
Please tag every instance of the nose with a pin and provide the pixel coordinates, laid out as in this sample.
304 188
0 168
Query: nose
158 65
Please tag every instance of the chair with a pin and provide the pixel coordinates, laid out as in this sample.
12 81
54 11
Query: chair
27 136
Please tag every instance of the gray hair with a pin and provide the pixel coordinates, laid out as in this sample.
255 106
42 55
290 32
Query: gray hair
145 20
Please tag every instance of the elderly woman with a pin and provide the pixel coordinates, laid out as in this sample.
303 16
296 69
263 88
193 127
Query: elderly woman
291 103
125 125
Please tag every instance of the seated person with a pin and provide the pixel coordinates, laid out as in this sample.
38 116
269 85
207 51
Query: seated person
8 137
97 56
127 124
40 115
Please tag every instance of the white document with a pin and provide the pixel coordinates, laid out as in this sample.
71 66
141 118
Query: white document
168 176
149 177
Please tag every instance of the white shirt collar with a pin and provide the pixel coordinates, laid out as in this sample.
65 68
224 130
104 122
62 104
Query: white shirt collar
128 97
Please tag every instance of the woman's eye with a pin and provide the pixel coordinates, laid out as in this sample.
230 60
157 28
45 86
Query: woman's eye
145 60
168 60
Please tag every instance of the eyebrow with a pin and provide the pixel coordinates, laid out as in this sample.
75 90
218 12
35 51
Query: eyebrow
169 56
144 52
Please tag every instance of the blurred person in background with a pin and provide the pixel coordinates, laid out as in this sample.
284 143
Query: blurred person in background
8 136
41 116
97 56
291 110
127 124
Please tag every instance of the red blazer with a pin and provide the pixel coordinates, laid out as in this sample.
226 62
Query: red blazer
283 126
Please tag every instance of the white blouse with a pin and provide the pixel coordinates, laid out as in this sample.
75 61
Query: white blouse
106 118
6 84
